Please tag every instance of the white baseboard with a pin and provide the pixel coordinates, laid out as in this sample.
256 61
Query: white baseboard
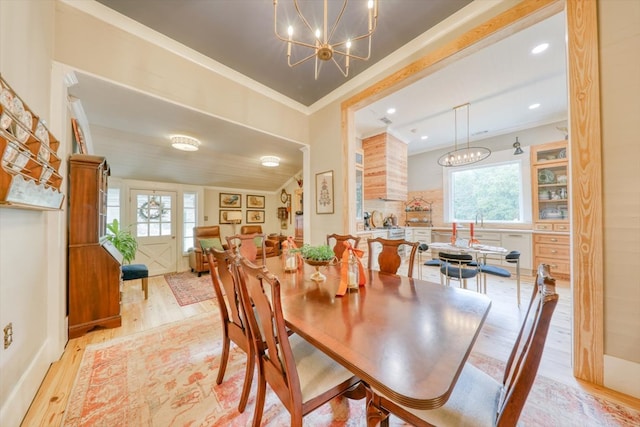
17 404
622 375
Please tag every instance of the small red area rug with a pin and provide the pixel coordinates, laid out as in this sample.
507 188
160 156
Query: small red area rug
188 288
166 377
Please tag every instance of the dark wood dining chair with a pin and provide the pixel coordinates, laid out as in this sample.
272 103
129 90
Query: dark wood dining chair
234 325
303 377
477 398
389 259
459 267
335 241
250 246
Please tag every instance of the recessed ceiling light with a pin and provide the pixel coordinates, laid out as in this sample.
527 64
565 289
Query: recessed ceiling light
184 143
540 48
533 106
391 110
423 137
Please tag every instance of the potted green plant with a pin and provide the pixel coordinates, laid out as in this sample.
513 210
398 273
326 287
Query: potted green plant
123 240
317 256
316 253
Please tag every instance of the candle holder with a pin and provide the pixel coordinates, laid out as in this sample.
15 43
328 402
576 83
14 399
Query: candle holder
290 261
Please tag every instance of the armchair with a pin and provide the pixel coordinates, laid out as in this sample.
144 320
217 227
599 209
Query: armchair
272 246
197 259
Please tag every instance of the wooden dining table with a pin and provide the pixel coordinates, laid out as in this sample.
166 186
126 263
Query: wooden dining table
405 337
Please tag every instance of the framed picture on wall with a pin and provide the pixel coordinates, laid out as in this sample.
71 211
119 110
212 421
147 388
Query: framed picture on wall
230 200
255 202
255 217
225 217
324 192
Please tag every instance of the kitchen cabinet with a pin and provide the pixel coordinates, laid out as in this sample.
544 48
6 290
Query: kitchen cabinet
551 193
385 168
550 186
521 242
554 250
94 267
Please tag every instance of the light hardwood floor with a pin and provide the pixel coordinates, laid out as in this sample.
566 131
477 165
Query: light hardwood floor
496 338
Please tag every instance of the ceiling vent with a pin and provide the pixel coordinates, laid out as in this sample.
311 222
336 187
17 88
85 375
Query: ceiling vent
386 121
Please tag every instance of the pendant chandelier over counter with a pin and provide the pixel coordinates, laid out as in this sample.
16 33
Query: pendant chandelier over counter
321 41
466 155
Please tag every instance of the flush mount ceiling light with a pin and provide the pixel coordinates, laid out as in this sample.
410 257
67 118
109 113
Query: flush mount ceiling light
270 161
184 143
321 42
466 155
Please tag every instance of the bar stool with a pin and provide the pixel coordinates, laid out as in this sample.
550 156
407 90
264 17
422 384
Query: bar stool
423 247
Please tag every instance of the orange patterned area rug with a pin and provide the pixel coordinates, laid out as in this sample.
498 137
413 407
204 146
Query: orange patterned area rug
166 377
188 288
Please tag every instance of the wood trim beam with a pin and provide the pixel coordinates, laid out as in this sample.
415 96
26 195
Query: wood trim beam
586 186
586 147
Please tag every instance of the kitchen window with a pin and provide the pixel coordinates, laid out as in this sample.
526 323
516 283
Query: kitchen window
497 190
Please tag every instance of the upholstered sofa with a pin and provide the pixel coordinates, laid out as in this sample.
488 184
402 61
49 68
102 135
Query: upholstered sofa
272 246
197 259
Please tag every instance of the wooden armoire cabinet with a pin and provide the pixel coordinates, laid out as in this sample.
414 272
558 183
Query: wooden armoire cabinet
94 268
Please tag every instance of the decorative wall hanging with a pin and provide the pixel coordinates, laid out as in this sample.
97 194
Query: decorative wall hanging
255 217
324 192
230 200
256 202
226 217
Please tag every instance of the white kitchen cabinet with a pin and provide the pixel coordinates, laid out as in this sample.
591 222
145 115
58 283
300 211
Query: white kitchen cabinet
521 242
422 235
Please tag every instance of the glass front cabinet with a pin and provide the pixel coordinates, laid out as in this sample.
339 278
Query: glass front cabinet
550 178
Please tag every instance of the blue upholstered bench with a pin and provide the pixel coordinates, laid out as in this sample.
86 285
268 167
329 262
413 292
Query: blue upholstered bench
137 271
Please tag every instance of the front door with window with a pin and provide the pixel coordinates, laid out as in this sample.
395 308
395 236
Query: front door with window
155 227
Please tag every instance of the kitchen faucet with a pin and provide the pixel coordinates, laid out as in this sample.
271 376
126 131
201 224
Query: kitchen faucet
479 213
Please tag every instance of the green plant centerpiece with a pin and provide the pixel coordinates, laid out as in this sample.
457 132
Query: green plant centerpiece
317 256
123 240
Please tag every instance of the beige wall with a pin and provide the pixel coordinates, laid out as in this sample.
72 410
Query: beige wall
32 243
619 22
91 45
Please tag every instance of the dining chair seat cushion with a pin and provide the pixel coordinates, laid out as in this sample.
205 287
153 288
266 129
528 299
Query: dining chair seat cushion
496 271
473 402
433 263
213 242
317 371
456 272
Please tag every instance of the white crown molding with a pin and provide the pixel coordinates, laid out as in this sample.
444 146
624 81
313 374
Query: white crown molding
111 17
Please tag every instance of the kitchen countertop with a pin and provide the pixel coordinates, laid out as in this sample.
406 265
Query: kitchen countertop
484 229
